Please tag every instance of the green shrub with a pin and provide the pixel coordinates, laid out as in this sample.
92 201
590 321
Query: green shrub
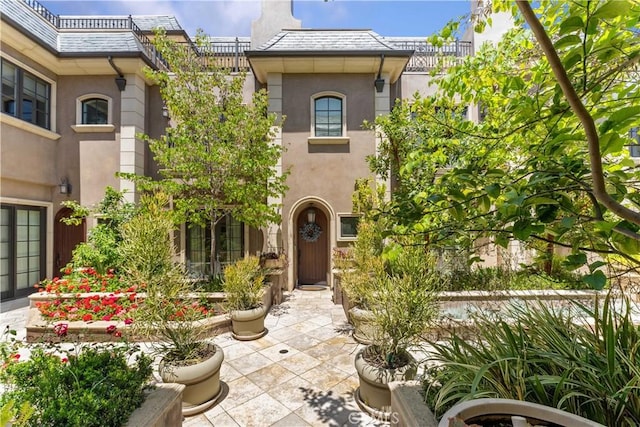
586 362
243 284
101 249
95 387
502 279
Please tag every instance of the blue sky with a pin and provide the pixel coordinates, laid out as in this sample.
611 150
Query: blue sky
233 17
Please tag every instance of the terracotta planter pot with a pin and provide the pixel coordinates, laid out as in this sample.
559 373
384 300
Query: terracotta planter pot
248 324
373 395
364 329
202 381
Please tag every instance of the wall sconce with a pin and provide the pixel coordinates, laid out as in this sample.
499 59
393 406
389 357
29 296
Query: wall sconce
121 82
64 186
311 215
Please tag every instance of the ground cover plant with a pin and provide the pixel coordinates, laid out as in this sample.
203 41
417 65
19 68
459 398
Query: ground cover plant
585 361
84 386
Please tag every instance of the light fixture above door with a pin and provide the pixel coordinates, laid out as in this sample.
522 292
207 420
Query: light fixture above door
311 215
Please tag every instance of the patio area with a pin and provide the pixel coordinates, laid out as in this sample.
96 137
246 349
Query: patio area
300 374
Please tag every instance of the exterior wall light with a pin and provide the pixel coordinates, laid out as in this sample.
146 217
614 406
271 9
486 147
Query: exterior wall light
311 215
64 186
121 82
379 83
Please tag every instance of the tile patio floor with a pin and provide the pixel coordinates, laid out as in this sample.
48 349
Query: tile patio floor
300 374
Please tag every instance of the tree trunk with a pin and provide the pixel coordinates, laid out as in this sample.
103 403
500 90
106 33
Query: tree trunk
213 263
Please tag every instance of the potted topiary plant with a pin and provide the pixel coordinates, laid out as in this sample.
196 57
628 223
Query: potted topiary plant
172 324
243 285
403 303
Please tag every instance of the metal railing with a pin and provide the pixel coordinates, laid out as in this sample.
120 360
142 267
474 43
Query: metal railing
224 54
93 23
426 56
230 54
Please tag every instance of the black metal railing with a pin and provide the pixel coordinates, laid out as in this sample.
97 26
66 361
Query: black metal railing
229 54
76 23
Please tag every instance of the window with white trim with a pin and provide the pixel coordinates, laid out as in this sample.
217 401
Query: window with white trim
25 96
94 113
328 118
348 227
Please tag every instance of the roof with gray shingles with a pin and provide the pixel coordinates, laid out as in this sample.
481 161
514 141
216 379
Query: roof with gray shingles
34 24
82 40
151 22
327 40
90 42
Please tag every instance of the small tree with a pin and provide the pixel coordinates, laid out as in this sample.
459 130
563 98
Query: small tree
218 158
531 169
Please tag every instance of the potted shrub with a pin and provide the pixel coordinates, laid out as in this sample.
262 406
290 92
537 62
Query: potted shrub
579 358
243 285
273 260
403 303
175 329
356 276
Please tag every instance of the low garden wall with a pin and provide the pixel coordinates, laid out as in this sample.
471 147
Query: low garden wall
456 307
161 408
39 329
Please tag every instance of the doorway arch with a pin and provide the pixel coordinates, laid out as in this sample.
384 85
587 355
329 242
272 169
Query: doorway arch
310 258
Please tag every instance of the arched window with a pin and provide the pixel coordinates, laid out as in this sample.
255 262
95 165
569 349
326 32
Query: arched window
95 111
328 116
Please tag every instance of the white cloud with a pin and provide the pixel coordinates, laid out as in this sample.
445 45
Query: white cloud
215 17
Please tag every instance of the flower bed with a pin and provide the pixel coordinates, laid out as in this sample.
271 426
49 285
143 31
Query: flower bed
50 310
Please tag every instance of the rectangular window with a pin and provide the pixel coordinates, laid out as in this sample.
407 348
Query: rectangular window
22 249
25 96
348 226
229 246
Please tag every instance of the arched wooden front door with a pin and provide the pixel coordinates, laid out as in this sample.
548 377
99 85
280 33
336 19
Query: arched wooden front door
66 238
312 254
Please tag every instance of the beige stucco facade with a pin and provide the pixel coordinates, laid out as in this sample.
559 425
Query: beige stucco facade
35 160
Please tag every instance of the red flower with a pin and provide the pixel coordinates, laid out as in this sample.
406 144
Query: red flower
111 329
128 321
87 317
61 329
107 317
117 334
64 360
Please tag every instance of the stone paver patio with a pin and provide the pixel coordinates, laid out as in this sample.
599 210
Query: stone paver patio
300 374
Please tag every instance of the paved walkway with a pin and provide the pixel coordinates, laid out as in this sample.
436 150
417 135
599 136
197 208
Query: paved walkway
300 374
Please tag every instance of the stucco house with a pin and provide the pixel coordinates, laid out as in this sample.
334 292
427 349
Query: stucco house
74 99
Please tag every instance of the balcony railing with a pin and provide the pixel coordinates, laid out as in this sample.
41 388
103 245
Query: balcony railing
93 23
229 54
427 56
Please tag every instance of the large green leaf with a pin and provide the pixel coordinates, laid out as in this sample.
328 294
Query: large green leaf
612 9
597 280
